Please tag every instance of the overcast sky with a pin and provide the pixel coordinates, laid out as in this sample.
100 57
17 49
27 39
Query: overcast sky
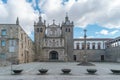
101 18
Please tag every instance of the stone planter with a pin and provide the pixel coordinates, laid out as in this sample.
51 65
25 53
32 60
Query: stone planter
66 71
43 71
17 71
115 71
91 71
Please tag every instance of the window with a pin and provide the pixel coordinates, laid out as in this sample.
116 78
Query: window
41 30
12 42
2 56
21 45
77 46
3 43
99 45
66 29
69 29
4 32
21 36
37 29
93 45
25 39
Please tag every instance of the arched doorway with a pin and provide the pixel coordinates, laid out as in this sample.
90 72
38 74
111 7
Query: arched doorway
53 55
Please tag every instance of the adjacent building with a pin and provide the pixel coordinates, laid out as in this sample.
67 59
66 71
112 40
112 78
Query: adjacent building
95 49
113 50
15 44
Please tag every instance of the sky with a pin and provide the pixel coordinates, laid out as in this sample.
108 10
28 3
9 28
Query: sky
101 18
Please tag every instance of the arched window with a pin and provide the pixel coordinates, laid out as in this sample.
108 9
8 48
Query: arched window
66 29
77 46
37 30
69 29
41 30
4 32
99 45
93 45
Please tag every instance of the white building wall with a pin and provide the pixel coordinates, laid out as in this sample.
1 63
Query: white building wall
102 46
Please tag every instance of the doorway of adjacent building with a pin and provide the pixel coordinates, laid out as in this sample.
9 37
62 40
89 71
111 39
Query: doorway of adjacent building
102 58
74 57
53 55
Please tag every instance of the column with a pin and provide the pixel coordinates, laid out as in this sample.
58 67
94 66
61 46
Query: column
102 45
96 45
80 45
90 45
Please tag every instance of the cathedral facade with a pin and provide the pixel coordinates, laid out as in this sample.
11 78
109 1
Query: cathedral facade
53 42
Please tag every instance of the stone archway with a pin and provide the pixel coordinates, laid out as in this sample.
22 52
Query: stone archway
53 55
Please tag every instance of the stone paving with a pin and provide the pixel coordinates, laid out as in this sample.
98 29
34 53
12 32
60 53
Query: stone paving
54 71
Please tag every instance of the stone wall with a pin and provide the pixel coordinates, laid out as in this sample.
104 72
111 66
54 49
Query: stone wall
92 55
113 54
11 50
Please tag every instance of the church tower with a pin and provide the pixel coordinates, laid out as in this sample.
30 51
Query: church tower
39 34
67 32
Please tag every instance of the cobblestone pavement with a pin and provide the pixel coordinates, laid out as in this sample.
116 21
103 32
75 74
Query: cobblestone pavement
30 71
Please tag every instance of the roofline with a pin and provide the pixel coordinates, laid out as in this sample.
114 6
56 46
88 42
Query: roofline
94 39
8 24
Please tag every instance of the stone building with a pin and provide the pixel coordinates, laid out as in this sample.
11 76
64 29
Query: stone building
113 50
15 44
53 42
95 49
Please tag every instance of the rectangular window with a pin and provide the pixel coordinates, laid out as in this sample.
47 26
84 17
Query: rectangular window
3 43
21 36
2 56
4 32
12 42
12 45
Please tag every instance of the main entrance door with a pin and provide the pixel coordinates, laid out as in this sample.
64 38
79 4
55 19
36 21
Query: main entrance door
53 55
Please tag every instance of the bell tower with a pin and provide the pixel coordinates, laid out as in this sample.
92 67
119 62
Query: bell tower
39 35
67 33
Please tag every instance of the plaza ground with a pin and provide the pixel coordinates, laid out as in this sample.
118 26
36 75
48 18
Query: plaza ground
54 71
